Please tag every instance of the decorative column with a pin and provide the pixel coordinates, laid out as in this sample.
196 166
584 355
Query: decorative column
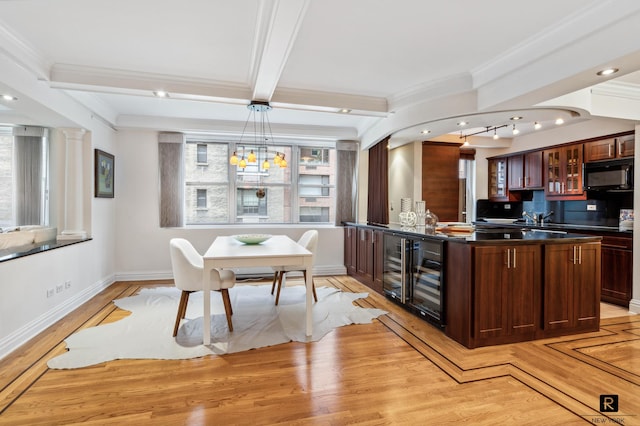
73 185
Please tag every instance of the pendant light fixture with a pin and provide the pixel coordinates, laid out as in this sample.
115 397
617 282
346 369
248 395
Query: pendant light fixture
262 135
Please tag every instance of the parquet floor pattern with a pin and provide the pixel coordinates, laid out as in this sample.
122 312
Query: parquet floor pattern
396 370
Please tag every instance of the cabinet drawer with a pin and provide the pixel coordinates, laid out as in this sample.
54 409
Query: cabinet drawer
622 243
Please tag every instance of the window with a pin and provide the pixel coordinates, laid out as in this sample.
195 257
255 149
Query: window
302 192
201 156
24 176
201 201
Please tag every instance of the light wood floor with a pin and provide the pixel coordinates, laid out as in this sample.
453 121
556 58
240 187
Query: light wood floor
396 370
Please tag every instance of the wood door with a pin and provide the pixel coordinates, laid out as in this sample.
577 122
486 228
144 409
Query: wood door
515 172
626 146
364 262
617 270
533 170
378 261
491 308
587 285
440 179
524 289
558 286
350 249
600 150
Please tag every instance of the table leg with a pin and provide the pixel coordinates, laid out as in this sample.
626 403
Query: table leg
206 316
309 294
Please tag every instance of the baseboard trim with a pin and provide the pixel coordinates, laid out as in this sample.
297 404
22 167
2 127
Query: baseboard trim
634 306
27 332
319 270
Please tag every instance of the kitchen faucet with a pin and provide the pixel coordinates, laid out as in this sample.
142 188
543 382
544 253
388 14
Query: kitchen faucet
529 217
544 216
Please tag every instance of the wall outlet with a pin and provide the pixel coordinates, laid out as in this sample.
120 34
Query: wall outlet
59 288
50 292
591 207
67 285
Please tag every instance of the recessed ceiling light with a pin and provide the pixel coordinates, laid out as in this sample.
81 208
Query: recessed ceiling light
345 111
515 118
160 94
9 98
537 125
425 131
608 71
462 123
559 121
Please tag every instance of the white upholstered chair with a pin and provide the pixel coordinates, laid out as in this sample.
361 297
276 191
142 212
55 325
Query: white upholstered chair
309 240
187 265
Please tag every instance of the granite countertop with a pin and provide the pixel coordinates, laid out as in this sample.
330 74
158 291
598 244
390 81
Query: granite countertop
488 234
560 227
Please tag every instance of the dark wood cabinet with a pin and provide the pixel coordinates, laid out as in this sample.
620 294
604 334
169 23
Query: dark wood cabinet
626 146
507 291
563 173
364 255
378 261
364 259
617 270
571 282
350 249
610 148
525 171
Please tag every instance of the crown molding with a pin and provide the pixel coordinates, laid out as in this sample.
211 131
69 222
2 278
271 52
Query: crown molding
617 89
23 53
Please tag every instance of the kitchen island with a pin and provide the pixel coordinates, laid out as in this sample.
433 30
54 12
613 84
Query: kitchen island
497 285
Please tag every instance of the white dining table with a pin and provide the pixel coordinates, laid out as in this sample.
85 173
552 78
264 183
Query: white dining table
226 253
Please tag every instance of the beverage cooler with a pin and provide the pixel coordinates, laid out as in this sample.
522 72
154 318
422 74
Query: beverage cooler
413 275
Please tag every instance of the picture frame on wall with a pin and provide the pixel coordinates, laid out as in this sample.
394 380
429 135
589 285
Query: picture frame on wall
104 166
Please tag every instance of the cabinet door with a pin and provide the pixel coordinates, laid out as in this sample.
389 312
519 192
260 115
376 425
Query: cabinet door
573 170
563 173
587 285
490 298
572 286
558 286
617 270
533 170
364 262
350 249
515 165
552 167
498 179
626 146
524 289
378 261
600 150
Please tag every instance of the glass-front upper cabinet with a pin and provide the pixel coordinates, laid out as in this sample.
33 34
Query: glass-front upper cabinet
563 168
498 190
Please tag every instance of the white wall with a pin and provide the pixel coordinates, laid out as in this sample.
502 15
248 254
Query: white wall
143 247
25 309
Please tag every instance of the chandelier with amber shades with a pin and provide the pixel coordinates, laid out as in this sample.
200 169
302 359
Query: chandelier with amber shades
262 135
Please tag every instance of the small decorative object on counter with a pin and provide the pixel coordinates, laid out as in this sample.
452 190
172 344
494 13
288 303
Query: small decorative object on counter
430 222
626 219
420 213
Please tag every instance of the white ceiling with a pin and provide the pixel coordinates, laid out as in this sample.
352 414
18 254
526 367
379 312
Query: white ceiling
400 66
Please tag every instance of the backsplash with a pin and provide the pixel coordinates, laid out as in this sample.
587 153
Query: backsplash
601 209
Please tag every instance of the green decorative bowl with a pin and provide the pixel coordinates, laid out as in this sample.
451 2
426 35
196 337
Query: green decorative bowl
252 238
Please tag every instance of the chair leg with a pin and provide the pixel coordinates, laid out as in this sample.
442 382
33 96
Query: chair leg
279 287
227 307
182 310
275 278
313 285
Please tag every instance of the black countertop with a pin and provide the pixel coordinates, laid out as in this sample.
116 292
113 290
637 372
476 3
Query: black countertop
489 234
591 229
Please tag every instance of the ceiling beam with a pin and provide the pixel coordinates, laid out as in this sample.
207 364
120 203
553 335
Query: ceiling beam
274 42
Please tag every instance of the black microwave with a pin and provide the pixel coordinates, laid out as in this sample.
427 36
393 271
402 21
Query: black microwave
609 175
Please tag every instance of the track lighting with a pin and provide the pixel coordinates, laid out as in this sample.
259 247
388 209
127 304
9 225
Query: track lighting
515 131
537 125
